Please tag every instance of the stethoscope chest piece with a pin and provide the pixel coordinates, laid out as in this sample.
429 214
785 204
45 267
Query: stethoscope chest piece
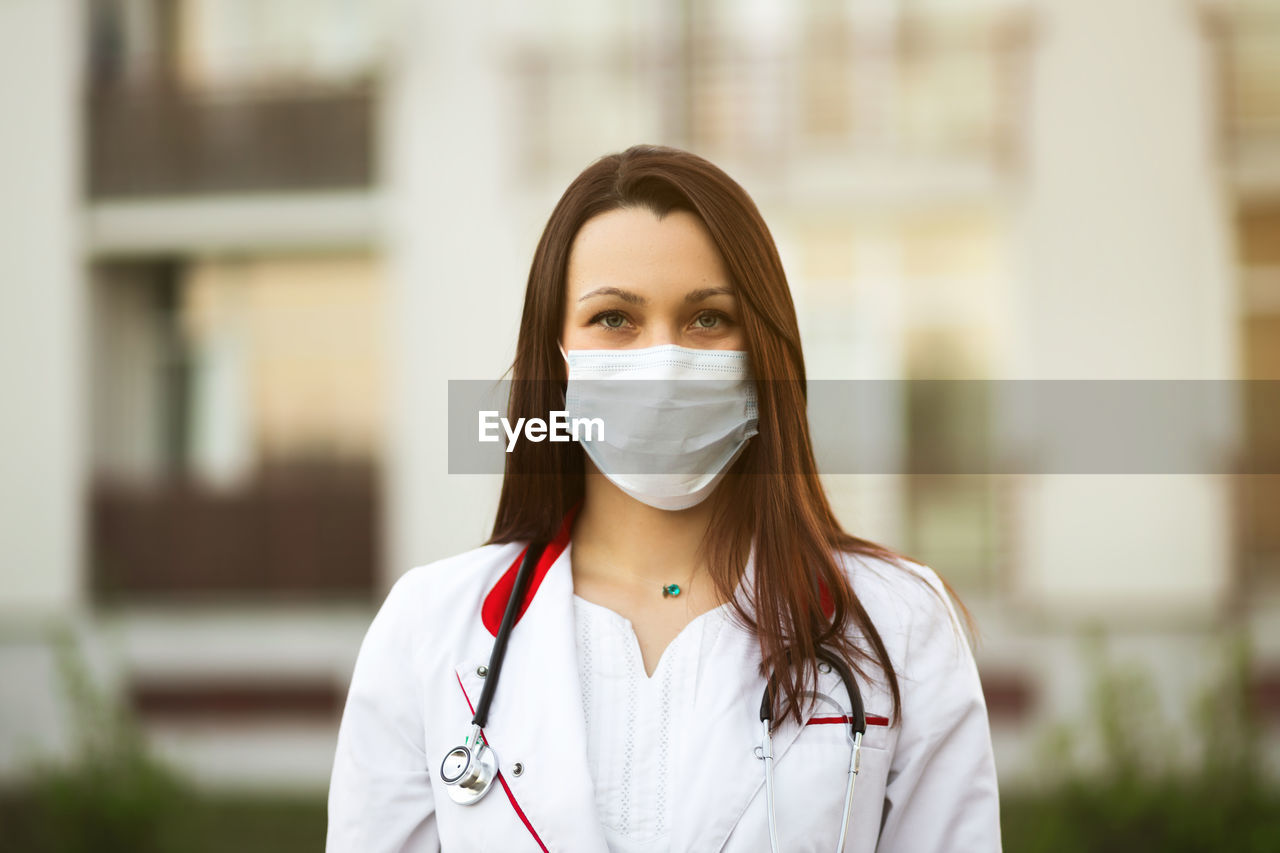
469 771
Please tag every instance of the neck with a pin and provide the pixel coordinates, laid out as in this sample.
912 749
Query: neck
619 539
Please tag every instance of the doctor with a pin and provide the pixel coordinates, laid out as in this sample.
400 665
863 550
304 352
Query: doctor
679 564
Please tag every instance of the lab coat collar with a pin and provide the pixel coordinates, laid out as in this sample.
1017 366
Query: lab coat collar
496 599
537 720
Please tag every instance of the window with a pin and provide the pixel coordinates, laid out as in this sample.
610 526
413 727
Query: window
237 419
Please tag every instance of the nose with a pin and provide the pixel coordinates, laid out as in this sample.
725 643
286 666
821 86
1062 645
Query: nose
657 334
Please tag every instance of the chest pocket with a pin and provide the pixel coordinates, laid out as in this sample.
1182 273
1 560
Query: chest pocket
810 780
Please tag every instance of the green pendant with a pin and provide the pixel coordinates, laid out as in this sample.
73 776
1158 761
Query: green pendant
671 590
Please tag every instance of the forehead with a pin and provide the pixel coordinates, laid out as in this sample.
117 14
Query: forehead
631 247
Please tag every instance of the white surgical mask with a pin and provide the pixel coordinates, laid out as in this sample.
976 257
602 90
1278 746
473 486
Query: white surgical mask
674 418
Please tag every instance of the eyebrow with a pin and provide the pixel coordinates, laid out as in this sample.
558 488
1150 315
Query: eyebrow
624 295
707 293
636 299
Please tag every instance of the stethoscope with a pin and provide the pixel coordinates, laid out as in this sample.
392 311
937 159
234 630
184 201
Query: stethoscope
468 770
857 728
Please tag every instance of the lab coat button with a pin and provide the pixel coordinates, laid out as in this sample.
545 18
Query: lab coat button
517 769
482 670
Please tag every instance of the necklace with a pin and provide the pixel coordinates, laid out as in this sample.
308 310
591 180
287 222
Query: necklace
669 590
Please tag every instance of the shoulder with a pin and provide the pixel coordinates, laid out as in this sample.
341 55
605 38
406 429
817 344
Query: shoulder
941 791
436 601
451 579
909 606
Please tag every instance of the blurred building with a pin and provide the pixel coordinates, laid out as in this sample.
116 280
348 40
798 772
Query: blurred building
247 245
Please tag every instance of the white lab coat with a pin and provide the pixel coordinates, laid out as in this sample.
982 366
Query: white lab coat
927 784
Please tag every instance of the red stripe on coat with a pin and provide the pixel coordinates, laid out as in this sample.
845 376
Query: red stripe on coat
872 720
510 796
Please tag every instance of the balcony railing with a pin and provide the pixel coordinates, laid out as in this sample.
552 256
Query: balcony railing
292 534
162 138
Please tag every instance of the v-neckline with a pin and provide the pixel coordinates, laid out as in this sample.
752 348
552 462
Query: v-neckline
626 625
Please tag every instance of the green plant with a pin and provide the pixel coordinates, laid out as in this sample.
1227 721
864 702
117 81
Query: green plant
1152 789
112 794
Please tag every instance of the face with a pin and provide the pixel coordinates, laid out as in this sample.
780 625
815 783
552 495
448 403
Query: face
636 281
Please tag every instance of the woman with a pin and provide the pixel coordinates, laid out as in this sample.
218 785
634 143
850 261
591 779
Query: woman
675 564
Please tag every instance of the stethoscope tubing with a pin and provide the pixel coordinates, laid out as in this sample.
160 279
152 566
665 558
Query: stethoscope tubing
532 555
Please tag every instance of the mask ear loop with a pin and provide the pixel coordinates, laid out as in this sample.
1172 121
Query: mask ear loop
564 391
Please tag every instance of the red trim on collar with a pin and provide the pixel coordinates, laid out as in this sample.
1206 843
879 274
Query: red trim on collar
495 602
824 595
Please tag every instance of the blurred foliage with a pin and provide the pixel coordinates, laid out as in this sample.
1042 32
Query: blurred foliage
114 795
205 824
110 795
1148 787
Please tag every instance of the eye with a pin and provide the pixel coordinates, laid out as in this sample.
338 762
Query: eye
710 320
610 319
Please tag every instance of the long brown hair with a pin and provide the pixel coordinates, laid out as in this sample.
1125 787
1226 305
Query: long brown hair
772 494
